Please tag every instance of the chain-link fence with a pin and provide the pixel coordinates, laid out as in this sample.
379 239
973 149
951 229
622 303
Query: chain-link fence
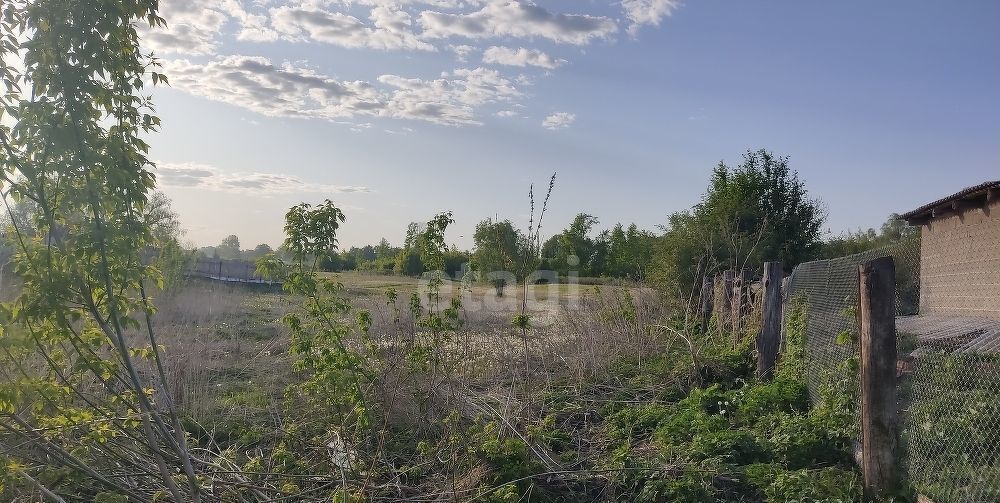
951 388
949 373
828 290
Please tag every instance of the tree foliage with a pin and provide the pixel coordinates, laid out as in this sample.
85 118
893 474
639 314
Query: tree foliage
499 249
78 394
756 211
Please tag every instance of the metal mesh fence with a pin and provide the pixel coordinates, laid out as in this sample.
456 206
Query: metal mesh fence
951 423
828 290
949 373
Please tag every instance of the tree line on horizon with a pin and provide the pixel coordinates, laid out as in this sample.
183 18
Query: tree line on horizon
757 211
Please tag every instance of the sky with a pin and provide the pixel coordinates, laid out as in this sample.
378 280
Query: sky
400 109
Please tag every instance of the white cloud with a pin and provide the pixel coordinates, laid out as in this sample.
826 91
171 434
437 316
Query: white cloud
462 51
506 113
450 100
200 176
642 12
559 120
520 57
256 84
192 28
390 30
517 18
446 4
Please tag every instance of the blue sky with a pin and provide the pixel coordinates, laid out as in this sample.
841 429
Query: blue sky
398 110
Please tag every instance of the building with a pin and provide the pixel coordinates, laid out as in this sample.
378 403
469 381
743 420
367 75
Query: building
960 253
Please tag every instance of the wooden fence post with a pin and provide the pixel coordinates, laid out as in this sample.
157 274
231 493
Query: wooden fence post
769 338
707 299
877 330
741 304
723 306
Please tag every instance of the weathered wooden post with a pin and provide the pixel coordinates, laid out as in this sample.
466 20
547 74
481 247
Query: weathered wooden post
769 338
741 304
707 299
877 330
724 299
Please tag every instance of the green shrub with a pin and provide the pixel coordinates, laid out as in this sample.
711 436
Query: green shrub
804 440
780 395
824 485
638 422
731 446
682 426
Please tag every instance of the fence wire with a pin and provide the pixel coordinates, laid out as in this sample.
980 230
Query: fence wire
949 372
828 290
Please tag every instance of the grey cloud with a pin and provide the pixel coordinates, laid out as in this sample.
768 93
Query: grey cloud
258 85
264 184
390 30
517 18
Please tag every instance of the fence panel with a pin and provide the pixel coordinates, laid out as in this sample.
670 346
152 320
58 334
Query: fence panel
949 369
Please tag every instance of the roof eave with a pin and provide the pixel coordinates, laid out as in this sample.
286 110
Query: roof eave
972 197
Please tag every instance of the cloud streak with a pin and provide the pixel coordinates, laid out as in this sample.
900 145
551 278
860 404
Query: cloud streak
200 176
258 85
390 30
517 18
520 57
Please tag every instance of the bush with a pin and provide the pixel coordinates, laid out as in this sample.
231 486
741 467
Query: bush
824 485
780 395
804 440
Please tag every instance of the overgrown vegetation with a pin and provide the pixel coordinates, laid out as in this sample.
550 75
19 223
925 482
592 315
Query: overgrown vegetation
358 396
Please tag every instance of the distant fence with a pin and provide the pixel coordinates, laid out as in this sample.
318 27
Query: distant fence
231 271
944 374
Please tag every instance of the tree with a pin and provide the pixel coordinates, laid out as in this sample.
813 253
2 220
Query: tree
498 248
895 230
229 248
171 259
572 249
385 250
759 210
618 253
258 251
431 243
162 219
408 263
73 144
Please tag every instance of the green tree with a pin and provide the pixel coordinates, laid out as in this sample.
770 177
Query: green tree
618 252
895 230
499 248
171 259
385 250
79 417
573 248
759 210
431 243
229 248
408 263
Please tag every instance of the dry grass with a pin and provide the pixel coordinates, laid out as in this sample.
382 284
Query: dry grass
222 340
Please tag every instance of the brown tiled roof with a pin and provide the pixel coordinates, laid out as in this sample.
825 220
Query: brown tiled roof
972 193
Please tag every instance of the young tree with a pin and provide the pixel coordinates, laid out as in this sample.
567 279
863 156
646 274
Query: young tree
80 356
499 248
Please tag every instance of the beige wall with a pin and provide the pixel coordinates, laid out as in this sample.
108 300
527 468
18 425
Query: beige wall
960 264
